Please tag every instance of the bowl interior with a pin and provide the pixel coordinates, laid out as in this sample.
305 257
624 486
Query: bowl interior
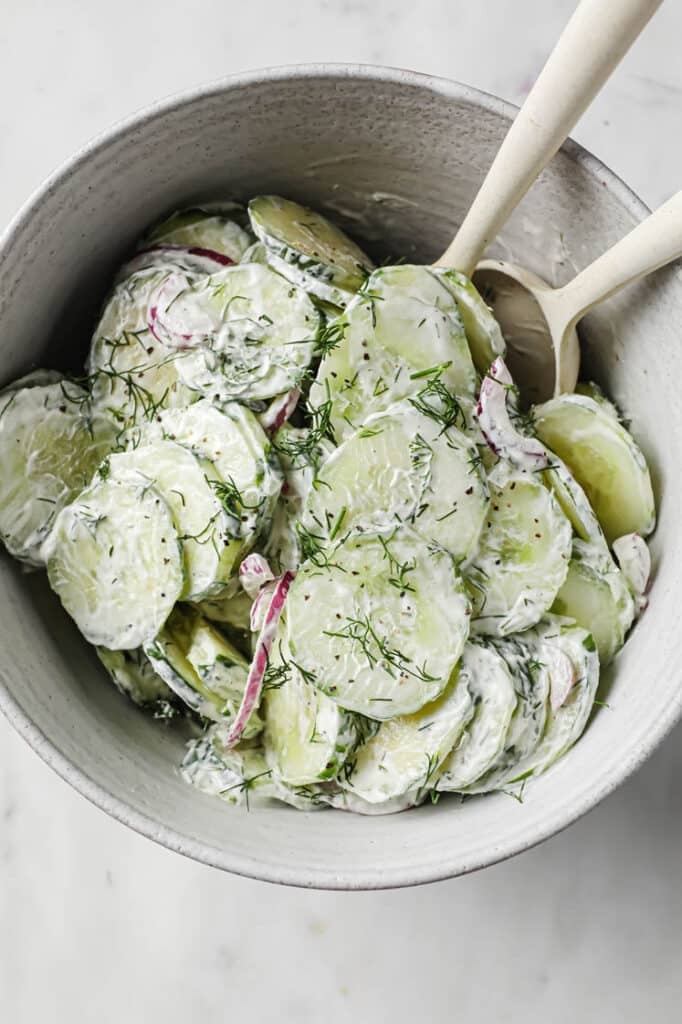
396 158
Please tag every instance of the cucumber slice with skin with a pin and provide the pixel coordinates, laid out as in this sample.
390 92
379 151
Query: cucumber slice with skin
324 795
231 610
486 675
402 467
236 775
219 665
301 453
373 644
201 229
344 800
405 754
634 561
605 460
507 435
566 721
208 534
482 329
132 674
33 379
593 391
401 336
256 253
308 737
522 557
202 667
132 375
532 682
596 595
50 445
244 333
115 561
308 249
232 440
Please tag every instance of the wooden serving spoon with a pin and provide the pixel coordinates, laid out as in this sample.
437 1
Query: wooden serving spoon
539 322
594 41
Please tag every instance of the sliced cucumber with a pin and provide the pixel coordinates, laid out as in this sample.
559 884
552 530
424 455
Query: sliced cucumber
256 253
32 379
567 720
402 467
308 737
202 667
482 329
596 595
532 682
486 675
230 609
574 504
634 560
344 800
605 460
401 336
208 534
593 391
50 445
303 798
132 374
236 775
217 662
115 561
133 675
406 753
301 452
522 557
508 434
244 333
232 440
202 229
373 644
308 249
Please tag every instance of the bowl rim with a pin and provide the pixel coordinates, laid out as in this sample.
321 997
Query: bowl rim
77 777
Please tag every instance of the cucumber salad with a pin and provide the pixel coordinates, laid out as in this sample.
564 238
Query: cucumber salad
294 499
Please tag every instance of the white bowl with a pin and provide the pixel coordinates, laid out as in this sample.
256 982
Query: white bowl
396 157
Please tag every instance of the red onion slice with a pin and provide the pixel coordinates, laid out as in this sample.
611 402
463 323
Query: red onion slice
173 320
254 572
279 411
497 427
266 638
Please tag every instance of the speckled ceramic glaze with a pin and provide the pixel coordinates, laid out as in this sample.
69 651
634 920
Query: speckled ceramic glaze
397 158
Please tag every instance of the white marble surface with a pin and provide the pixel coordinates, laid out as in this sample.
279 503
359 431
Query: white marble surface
99 924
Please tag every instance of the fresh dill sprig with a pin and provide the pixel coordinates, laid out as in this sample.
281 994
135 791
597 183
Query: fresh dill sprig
232 499
437 402
378 651
431 371
306 450
329 336
245 785
421 453
399 570
313 547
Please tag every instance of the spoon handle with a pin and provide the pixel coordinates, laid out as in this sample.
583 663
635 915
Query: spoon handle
650 245
594 41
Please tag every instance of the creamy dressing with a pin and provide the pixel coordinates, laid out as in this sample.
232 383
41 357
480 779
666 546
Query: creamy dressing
427 587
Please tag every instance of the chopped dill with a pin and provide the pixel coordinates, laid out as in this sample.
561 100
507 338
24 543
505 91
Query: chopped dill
378 651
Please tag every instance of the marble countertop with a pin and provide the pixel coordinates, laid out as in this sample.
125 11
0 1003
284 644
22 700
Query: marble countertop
97 923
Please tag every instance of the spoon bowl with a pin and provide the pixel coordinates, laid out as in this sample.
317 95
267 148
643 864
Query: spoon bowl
543 352
539 322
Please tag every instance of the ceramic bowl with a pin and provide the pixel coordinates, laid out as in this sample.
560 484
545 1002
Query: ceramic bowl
396 157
